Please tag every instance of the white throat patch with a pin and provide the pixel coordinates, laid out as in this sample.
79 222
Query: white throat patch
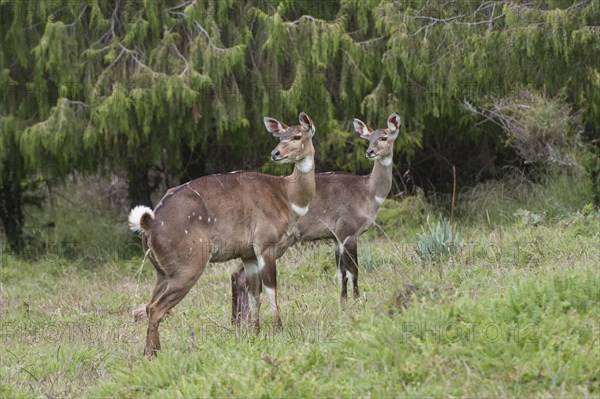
300 210
305 165
386 161
379 200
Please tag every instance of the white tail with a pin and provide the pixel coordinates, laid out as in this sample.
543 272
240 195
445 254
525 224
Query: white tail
216 218
345 206
138 216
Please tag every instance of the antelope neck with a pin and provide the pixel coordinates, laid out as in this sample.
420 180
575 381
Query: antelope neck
380 179
301 183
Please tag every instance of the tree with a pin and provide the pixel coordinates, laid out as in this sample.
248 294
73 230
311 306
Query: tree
181 86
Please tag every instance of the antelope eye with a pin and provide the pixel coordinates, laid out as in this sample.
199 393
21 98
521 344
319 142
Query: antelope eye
383 138
298 137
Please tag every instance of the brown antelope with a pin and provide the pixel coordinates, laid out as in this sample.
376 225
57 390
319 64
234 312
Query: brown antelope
220 217
344 207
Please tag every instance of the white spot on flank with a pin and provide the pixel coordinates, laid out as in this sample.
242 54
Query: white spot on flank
306 165
201 240
300 210
386 161
199 217
189 216
215 220
209 219
162 223
186 232
190 249
193 213
379 200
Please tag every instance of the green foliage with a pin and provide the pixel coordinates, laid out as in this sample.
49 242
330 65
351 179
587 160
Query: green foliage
437 241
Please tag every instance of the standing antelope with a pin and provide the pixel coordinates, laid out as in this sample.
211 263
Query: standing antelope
220 217
344 207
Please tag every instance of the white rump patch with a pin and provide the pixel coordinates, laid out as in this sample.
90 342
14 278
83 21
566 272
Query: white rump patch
300 210
386 161
379 200
306 165
186 232
135 217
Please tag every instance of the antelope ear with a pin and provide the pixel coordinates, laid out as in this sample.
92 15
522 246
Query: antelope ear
362 129
275 127
394 124
306 123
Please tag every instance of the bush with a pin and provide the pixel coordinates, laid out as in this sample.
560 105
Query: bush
543 131
401 215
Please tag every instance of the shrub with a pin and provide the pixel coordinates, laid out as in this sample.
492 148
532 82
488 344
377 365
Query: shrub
543 131
398 215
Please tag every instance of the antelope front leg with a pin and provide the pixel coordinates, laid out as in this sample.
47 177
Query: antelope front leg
268 274
350 261
239 297
341 270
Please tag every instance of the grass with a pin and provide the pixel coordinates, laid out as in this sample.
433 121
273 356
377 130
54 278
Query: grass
514 313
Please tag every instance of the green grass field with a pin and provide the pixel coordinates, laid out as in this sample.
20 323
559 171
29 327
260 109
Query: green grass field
514 314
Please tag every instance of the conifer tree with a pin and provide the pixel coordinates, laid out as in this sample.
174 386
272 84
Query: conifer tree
182 85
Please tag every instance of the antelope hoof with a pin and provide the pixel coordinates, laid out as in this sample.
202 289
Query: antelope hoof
150 354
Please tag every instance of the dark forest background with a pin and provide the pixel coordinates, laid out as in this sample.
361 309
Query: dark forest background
154 93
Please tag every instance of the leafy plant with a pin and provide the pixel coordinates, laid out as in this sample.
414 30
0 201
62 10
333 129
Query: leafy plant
437 241
527 218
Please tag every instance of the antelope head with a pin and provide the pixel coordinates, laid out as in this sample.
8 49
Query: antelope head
295 142
381 141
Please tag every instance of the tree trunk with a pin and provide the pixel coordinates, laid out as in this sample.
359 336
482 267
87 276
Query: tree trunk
11 214
138 185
